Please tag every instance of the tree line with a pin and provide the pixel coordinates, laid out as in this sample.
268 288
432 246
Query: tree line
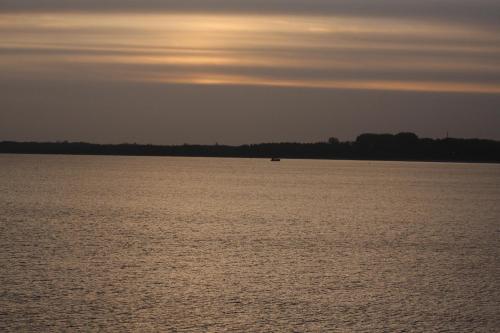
368 146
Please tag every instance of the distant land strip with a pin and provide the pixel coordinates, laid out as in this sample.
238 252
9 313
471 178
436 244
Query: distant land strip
402 146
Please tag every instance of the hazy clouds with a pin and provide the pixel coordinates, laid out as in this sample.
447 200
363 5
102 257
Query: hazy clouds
477 11
305 51
408 51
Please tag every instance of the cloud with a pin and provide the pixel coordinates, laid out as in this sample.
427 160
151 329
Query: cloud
475 12
307 51
312 64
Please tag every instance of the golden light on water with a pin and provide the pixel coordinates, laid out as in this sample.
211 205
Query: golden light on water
229 49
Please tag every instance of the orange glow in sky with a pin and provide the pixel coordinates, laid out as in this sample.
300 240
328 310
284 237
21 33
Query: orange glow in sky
231 49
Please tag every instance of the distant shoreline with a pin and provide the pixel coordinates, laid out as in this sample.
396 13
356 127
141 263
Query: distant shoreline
247 157
368 147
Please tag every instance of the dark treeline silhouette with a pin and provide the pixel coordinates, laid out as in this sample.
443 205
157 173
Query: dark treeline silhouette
402 146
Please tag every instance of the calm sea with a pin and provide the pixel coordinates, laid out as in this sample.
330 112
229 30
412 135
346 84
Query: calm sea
144 244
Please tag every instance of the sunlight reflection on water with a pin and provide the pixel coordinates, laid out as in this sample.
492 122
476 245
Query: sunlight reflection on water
201 244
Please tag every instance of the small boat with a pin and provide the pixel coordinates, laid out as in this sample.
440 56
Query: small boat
275 159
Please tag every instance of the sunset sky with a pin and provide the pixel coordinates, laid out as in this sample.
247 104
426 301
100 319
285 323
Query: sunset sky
246 71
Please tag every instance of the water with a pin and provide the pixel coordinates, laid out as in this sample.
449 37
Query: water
208 245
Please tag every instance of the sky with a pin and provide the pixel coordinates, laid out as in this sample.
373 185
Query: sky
247 71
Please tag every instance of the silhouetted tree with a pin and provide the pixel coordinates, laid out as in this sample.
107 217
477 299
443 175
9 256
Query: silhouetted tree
333 141
402 146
